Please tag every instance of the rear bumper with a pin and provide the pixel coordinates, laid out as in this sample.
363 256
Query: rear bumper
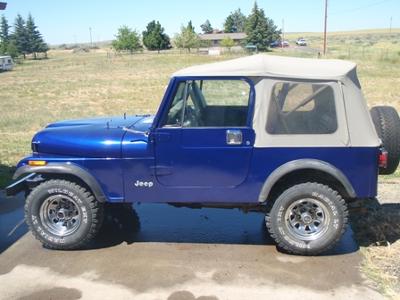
19 185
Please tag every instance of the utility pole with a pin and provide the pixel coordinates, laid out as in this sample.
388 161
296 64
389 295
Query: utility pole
90 33
390 27
283 32
326 19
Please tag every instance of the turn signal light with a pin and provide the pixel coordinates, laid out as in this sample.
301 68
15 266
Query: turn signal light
37 163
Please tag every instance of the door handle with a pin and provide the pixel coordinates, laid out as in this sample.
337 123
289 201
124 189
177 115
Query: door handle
234 137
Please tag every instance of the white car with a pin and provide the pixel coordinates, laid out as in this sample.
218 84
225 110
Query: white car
301 42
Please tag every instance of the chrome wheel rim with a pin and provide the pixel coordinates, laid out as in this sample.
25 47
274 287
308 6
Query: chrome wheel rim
60 215
307 219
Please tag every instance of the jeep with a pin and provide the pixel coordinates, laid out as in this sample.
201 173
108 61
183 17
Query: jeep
290 137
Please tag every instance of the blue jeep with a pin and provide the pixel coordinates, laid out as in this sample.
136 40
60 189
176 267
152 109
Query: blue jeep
286 136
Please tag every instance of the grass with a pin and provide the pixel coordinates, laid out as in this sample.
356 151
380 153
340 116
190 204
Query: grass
377 229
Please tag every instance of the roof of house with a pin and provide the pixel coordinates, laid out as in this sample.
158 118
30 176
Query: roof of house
263 65
221 36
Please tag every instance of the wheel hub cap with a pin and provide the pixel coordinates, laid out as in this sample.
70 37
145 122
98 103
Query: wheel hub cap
307 219
60 215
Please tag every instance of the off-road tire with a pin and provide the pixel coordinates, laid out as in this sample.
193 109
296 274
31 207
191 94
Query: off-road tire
387 125
90 209
279 225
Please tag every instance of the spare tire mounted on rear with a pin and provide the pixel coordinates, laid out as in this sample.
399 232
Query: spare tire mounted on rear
387 125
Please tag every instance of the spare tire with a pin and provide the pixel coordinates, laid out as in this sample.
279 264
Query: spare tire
387 124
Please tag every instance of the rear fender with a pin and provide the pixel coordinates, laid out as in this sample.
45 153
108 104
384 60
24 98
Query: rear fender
302 164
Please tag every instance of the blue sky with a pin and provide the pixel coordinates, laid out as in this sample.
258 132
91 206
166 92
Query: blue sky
69 21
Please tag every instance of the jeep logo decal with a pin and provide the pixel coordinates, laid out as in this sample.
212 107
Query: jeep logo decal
148 184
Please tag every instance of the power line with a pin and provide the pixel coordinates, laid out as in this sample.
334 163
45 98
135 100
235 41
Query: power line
359 8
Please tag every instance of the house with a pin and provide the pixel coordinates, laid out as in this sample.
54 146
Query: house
214 39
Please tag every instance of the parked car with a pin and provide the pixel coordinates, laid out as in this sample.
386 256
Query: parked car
277 44
289 137
301 42
6 63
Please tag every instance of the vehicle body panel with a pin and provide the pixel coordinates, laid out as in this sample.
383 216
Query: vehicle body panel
117 177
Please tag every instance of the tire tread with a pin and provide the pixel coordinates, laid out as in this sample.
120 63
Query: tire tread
96 208
311 185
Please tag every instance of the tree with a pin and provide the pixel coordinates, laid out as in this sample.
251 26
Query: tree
206 27
4 35
260 30
190 26
20 36
235 22
187 38
12 49
228 42
35 43
154 37
127 39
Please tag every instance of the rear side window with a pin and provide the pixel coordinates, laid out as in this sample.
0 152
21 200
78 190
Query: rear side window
302 108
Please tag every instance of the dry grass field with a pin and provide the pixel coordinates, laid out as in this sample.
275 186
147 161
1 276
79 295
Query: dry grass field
78 85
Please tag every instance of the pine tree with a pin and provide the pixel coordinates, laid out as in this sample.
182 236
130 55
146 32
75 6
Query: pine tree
260 30
4 35
20 36
190 26
235 22
36 43
206 27
154 37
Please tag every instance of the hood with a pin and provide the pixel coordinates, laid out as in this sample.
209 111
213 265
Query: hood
96 137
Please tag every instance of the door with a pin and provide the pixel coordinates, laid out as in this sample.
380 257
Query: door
205 139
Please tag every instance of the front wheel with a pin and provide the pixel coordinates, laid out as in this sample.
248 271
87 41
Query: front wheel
307 219
63 215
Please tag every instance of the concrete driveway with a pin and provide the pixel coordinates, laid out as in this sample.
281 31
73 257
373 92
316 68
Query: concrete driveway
175 253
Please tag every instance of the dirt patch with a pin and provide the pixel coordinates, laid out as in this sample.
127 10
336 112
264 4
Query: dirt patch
376 225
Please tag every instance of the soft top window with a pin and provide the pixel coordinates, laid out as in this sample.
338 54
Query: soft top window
210 103
302 108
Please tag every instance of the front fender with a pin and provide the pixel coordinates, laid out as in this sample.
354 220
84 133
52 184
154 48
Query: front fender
59 169
302 164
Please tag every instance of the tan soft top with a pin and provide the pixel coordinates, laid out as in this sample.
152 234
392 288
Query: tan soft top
263 65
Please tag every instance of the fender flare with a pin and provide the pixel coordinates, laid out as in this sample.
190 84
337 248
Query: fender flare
301 164
65 168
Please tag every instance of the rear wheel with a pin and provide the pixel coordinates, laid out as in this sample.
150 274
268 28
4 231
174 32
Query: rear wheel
307 219
387 125
63 215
